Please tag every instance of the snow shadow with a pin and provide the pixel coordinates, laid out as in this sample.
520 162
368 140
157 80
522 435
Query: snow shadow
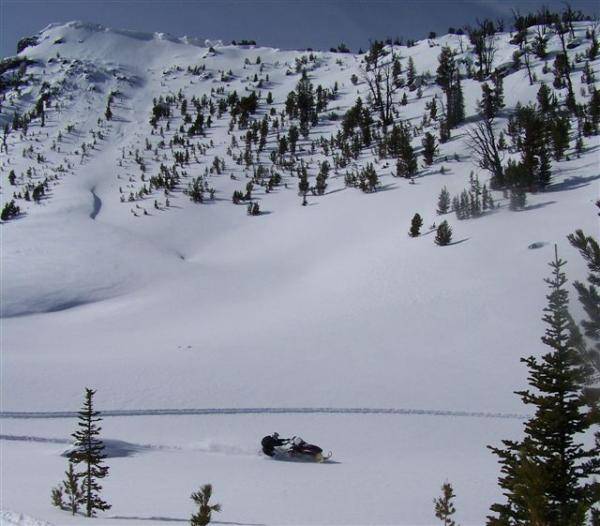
573 183
538 205
458 242
117 449
175 519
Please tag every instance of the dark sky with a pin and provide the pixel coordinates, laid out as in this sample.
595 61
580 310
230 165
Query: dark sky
278 23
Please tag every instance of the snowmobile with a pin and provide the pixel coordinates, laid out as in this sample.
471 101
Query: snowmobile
294 448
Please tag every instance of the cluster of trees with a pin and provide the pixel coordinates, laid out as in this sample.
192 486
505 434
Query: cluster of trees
197 188
305 103
449 79
469 203
443 234
365 178
10 210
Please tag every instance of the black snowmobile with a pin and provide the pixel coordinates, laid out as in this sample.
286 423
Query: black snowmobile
292 449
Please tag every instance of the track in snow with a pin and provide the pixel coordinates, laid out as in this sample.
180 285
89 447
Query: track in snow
265 411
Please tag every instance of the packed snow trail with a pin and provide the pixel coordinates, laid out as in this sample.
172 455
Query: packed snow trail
266 411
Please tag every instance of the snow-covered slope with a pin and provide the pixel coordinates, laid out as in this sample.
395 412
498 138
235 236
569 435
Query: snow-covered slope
329 305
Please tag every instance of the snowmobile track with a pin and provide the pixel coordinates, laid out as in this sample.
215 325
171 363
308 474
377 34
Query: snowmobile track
266 411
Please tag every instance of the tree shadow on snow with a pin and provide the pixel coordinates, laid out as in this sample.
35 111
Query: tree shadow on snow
458 242
572 183
538 205
175 519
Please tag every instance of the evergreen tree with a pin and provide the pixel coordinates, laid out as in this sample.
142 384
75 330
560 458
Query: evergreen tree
486 104
407 160
518 199
448 77
545 168
72 490
443 235
444 507
205 510
10 209
545 98
88 451
108 113
370 177
305 103
293 136
429 148
443 201
411 72
547 478
559 135
589 293
321 180
415 226
456 107
56 497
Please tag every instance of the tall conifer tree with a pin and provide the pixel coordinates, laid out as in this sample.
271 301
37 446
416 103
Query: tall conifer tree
547 477
89 453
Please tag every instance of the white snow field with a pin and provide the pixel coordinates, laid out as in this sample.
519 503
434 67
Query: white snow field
199 306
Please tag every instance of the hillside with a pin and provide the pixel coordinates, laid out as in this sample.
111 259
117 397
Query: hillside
194 305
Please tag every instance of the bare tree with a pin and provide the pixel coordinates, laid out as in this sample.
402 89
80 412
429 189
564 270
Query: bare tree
378 74
527 60
482 143
484 42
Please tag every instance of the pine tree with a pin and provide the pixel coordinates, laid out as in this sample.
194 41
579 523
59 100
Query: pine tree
443 235
321 179
545 167
559 134
429 148
456 107
88 450
486 104
411 73
518 199
544 98
72 490
444 507
589 293
205 510
548 477
56 497
407 161
443 201
415 226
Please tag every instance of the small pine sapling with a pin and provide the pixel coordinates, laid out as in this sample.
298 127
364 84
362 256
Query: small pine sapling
72 490
204 514
56 496
444 507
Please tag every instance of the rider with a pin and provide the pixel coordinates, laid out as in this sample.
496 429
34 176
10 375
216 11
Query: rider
270 442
